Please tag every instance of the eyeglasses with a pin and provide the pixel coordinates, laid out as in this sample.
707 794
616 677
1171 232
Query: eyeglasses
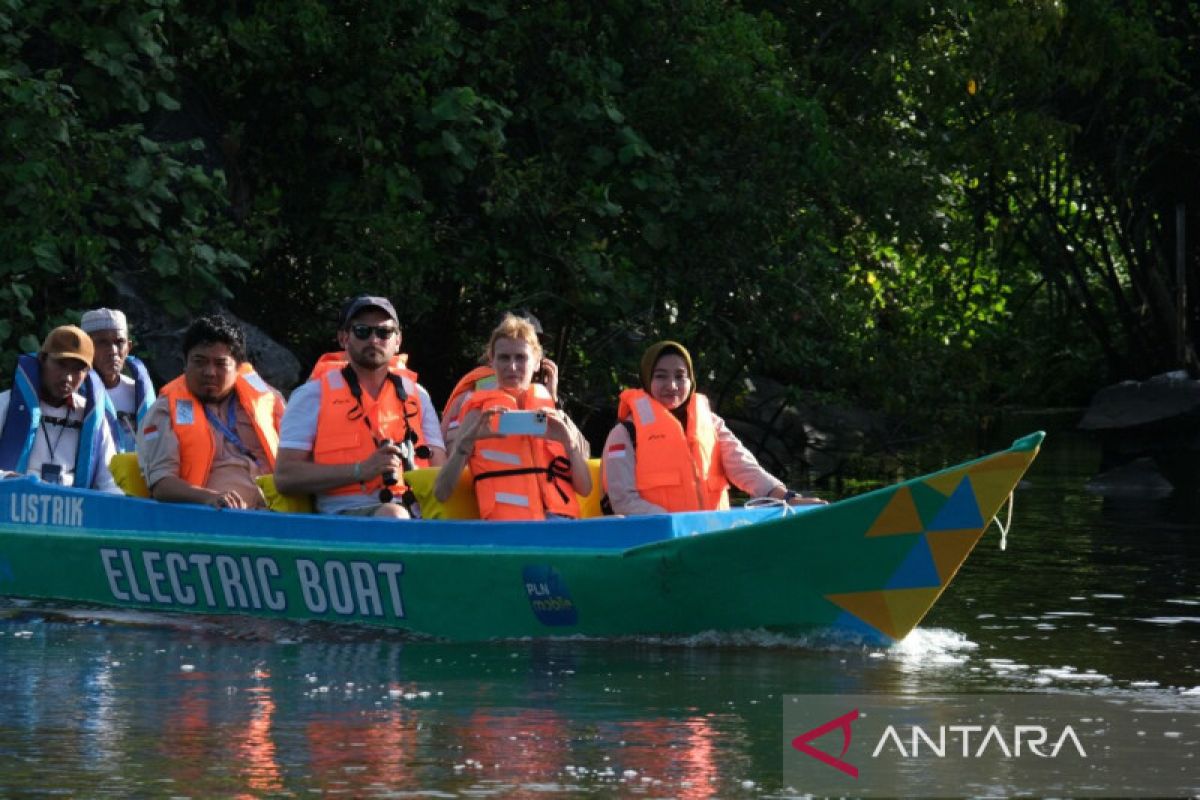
382 332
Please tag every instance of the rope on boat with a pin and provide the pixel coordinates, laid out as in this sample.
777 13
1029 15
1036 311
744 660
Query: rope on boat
768 502
1007 524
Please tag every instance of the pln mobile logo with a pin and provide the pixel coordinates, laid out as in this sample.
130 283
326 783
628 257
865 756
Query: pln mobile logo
801 743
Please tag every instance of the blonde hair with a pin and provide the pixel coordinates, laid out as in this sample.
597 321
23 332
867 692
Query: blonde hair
514 327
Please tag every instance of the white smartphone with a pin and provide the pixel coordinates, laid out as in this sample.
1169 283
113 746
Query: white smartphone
526 423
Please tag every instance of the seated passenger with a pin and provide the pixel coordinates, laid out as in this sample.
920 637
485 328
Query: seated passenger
484 377
127 398
215 428
517 476
670 452
47 427
358 420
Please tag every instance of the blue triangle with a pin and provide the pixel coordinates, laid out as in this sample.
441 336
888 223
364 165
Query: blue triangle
961 511
850 627
917 571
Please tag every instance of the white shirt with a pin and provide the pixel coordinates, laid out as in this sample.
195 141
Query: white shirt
124 395
124 399
298 431
58 444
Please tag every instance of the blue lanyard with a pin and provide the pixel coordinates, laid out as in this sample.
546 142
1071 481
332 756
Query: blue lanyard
229 429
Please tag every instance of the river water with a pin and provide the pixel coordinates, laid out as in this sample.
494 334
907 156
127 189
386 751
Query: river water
1090 596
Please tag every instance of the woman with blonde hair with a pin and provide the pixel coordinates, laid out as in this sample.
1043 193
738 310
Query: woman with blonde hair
528 459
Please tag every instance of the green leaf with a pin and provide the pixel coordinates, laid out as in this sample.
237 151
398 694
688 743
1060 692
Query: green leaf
166 101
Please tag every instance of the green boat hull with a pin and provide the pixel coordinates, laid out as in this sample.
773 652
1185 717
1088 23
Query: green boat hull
872 564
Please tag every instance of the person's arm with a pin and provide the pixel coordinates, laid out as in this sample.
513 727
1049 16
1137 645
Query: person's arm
549 371
743 470
620 475
173 489
474 427
561 429
158 453
452 421
431 429
297 473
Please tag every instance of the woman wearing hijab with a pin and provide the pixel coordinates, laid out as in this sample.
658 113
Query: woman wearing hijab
670 452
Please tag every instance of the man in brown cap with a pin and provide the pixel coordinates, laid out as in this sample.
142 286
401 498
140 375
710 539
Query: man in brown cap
47 427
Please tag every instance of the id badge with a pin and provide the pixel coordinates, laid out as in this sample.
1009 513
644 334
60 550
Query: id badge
52 473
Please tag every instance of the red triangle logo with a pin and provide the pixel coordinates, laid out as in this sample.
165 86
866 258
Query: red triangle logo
801 743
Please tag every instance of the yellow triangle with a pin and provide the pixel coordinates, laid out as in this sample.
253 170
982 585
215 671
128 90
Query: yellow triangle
906 607
1017 461
870 607
992 489
898 516
950 549
946 484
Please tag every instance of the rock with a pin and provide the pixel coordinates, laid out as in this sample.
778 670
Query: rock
1157 419
158 340
1133 403
1139 478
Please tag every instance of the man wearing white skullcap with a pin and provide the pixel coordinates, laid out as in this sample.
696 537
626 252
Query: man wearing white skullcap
128 397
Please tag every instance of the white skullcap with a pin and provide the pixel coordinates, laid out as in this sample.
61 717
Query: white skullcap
104 319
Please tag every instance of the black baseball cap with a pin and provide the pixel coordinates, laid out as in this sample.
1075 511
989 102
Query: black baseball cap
357 304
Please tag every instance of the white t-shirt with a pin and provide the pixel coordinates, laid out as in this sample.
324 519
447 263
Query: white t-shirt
298 431
58 444
124 398
124 395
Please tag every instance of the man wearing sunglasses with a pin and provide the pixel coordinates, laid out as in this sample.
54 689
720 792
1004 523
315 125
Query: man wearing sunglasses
360 421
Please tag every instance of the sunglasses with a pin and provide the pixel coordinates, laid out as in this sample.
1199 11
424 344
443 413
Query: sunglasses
382 332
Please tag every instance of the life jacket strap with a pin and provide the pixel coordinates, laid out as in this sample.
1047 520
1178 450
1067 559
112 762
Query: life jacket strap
559 469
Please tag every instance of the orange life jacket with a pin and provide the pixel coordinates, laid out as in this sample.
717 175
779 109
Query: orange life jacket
343 436
678 470
520 477
476 380
197 447
339 359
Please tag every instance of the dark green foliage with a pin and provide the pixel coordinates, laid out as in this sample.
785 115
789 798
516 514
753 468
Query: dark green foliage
94 185
860 199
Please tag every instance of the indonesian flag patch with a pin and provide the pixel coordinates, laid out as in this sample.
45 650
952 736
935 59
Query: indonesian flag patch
616 450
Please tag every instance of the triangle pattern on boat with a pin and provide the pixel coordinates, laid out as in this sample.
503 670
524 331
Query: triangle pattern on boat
1016 462
894 612
917 570
929 502
870 607
950 549
898 516
947 482
908 606
992 488
960 511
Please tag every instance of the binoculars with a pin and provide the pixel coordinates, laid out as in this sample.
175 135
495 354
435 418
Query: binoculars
408 452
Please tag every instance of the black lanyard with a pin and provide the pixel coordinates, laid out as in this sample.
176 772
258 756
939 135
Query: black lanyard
64 423
359 411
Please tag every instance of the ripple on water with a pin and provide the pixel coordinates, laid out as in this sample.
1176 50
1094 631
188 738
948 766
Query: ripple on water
932 646
1069 674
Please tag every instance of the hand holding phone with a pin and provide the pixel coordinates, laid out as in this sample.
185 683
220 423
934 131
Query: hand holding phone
524 423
